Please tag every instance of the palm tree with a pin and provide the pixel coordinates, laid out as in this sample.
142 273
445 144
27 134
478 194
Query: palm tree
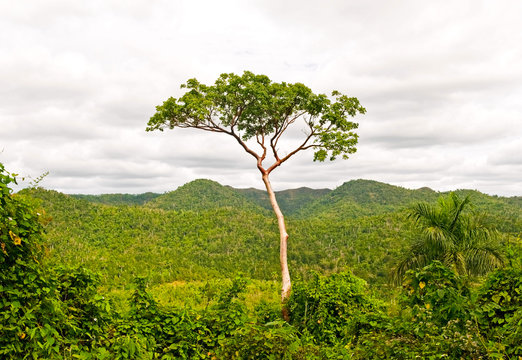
459 240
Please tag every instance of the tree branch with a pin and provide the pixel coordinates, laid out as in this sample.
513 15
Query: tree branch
299 148
279 132
243 144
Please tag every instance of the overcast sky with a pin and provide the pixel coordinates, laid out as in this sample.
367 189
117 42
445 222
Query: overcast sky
441 82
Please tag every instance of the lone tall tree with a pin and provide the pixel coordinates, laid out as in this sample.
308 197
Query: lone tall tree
257 112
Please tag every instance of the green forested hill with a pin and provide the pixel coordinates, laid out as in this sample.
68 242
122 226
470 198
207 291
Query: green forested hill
505 214
126 241
201 195
358 198
206 230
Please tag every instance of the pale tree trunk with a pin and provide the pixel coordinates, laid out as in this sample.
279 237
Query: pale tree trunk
285 275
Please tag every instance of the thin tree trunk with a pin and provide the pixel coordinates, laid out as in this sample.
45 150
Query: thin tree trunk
286 285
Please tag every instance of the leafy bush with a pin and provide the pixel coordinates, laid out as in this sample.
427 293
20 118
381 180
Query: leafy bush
333 308
424 339
275 340
29 310
511 336
499 307
437 291
43 314
501 296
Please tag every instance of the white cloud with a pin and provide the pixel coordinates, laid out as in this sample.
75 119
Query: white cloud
441 83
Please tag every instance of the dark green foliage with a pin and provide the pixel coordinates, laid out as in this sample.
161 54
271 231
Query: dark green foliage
511 334
401 339
29 311
20 227
437 291
43 314
89 316
118 199
332 308
435 321
501 296
276 340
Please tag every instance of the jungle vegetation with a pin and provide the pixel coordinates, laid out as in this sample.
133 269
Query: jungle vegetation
193 274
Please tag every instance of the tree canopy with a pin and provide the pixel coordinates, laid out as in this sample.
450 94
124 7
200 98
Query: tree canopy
253 107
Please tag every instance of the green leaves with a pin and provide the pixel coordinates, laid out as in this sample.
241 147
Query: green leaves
252 106
332 307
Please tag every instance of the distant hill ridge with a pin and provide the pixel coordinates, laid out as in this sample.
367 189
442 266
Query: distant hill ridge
352 199
202 194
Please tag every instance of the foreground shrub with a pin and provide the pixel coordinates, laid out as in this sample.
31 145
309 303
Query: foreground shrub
438 292
275 340
30 312
501 296
500 309
333 308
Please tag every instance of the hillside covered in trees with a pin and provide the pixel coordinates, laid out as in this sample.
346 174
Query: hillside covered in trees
193 273
205 230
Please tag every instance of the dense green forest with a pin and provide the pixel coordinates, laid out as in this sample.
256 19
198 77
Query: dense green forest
194 273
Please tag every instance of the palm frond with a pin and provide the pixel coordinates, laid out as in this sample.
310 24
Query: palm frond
457 208
424 213
409 262
438 240
460 240
482 260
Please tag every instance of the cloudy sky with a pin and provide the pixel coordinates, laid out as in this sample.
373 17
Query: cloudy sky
441 82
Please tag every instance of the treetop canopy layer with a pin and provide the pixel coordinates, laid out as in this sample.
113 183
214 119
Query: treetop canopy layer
253 107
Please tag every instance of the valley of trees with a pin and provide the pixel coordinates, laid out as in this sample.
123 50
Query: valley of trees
194 274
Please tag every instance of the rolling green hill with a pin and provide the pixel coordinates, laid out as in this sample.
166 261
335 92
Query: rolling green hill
202 195
358 198
205 230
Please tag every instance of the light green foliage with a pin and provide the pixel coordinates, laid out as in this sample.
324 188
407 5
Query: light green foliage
118 199
217 241
290 201
252 106
357 198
